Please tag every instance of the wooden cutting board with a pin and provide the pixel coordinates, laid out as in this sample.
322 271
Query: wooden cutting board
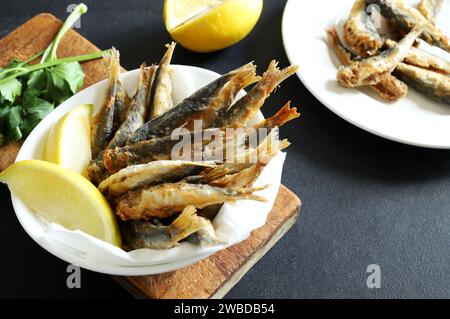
212 277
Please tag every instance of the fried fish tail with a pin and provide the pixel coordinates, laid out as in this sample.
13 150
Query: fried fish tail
372 70
390 88
161 93
246 108
241 161
103 121
247 176
284 115
187 223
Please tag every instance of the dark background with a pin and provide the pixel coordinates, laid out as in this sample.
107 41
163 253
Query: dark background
365 200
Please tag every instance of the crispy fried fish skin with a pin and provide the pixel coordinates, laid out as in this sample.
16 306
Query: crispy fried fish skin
161 93
206 236
165 200
430 9
138 109
238 162
189 109
226 97
390 88
142 175
372 70
103 122
284 115
248 176
246 108
431 84
113 160
145 234
362 36
424 59
405 18
97 171
121 105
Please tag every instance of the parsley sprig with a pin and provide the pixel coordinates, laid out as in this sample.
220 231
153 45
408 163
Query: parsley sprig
28 92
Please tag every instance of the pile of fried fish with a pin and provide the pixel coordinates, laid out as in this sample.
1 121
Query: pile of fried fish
160 200
388 65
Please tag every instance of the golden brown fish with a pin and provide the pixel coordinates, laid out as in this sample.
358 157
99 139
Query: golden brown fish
423 59
161 93
138 109
189 109
154 235
360 32
103 122
372 70
246 108
165 200
389 88
431 84
158 172
405 18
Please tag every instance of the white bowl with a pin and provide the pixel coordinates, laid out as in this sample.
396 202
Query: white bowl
234 222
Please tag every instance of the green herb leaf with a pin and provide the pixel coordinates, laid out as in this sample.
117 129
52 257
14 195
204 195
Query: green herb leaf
4 111
10 90
14 134
14 120
15 116
37 80
35 115
72 73
64 80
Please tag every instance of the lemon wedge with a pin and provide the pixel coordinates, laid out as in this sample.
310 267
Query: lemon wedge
68 143
64 197
210 25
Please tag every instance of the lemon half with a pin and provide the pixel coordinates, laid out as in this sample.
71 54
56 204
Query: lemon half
210 25
64 197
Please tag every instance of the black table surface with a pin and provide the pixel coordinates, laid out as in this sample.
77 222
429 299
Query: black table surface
366 200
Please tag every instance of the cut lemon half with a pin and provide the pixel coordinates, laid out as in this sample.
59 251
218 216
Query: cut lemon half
210 25
68 143
62 196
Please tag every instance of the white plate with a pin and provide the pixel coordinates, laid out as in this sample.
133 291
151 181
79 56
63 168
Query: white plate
413 120
90 253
